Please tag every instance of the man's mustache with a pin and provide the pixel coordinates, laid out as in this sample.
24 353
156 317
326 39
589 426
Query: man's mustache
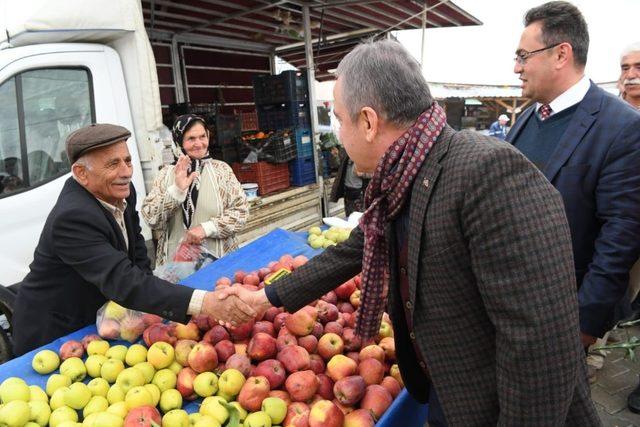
634 81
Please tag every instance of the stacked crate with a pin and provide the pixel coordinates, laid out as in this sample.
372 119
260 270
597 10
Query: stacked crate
282 103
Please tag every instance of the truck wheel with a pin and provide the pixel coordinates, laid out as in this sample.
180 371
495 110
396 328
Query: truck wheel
7 298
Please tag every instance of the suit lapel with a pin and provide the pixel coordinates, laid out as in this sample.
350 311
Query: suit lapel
583 119
519 125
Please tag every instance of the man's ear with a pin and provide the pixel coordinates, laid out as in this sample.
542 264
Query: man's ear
369 121
80 172
565 52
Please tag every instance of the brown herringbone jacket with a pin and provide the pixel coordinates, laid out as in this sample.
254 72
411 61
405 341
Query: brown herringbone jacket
492 289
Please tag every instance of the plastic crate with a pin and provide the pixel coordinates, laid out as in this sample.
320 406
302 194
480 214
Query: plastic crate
228 154
302 171
304 142
278 147
288 86
226 129
284 115
269 177
248 121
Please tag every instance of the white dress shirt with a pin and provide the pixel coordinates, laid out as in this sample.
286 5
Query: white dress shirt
569 97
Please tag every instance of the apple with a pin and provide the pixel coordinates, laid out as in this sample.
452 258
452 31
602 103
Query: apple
316 364
243 331
37 393
175 367
201 321
129 378
325 387
327 312
160 354
136 354
329 345
97 347
354 299
241 347
371 370
54 382
39 412
216 334
110 370
176 418
170 399
345 290
392 385
239 362
301 322
119 409
294 358
386 331
88 338
150 319
280 320
376 399
318 330
359 418
213 406
258 419
77 396
253 392
344 408
284 340
98 387
115 394
297 415
184 383
388 344
138 396
273 370
224 349
57 398
165 379
159 332
71 348
231 382
262 347
117 352
372 351
281 394
113 310
205 384
309 343
190 331
94 363
333 328
349 319
340 366
203 357
276 409
15 413
302 385
109 329
345 307
349 390
96 404
106 419
205 421
74 368
394 371
147 369
352 342
45 362
58 416
182 350
142 416
325 413
330 297
264 326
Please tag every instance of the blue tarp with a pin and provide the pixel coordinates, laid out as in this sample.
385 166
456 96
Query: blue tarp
404 411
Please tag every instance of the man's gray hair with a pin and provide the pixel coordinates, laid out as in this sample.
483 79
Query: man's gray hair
83 160
633 47
384 76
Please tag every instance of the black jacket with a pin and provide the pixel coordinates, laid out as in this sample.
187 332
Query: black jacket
81 261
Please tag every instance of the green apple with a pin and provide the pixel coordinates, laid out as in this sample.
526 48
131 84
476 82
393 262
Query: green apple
107 419
115 394
165 379
96 404
117 352
175 367
77 396
14 388
205 384
63 413
45 362
15 413
276 408
90 420
39 412
113 310
94 364
169 400
207 421
74 368
34 424
161 355
176 418
147 369
98 387
98 347
129 378
241 411
56 381
315 231
38 394
119 409
257 419
225 396
155 393
57 399
138 396
193 418
230 382
212 406
69 424
111 369
137 353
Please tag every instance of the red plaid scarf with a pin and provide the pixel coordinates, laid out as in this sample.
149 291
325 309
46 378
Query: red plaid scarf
384 198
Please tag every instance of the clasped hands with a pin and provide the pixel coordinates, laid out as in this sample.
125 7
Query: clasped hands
235 305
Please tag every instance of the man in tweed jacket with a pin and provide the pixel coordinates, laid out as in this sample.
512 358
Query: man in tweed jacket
491 286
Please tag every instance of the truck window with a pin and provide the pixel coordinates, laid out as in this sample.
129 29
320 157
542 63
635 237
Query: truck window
43 107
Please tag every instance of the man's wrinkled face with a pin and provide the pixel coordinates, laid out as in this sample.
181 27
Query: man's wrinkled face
537 68
108 173
630 74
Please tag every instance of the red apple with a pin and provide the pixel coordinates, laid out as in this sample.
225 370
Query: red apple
182 350
359 418
264 326
243 331
297 415
240 362
358 281
309 342
216 334
281 394
349 390
185 383
159 332
372 351
340 366
189 331
273 370
354 299
109 329
371 370
88 338
344 408
143 416
325 413
262 347
302 385
345 290
354 355
201 321
225 349
392 386
352 342
327 312
388 344
294 358
203 357
316 364
271 314
325 387
151 319
253 392
301 322
333 328
376 399
349 319
330 297
329 345
318 330
280 319
71 348
284 340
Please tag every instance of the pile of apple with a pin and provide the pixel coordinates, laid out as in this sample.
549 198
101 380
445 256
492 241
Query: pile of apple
302 369
318 238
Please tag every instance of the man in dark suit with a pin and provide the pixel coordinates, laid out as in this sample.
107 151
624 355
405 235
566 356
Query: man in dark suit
466 245
91 250
587 144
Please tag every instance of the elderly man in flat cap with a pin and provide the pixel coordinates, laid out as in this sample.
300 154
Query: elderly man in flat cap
91 250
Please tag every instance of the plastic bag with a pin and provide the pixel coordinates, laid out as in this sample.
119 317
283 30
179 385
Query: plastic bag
187 260
114 321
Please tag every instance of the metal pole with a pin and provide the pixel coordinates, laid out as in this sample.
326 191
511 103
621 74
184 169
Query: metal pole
424 36
311 79
176 68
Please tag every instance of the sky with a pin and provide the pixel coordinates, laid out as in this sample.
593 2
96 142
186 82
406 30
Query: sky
484 54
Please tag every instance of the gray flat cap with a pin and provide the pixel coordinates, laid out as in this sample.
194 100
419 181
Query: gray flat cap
94 136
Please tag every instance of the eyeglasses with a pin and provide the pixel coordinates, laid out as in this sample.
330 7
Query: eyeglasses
522 55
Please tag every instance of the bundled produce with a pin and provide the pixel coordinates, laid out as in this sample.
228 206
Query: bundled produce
319 239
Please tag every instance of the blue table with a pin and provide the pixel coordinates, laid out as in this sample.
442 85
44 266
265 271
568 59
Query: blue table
405 411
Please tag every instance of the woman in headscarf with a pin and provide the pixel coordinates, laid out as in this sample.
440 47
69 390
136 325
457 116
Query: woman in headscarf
196 200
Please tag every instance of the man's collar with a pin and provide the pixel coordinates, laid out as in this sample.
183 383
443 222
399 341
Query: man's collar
570 97
120 206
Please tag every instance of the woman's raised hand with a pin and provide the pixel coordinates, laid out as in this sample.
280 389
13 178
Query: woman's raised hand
183 177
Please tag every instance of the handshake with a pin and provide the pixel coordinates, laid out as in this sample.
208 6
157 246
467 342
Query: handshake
235 305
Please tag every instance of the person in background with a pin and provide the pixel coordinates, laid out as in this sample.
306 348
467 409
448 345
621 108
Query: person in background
197 200
498 129
91 250
629 81
587 143
348 185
